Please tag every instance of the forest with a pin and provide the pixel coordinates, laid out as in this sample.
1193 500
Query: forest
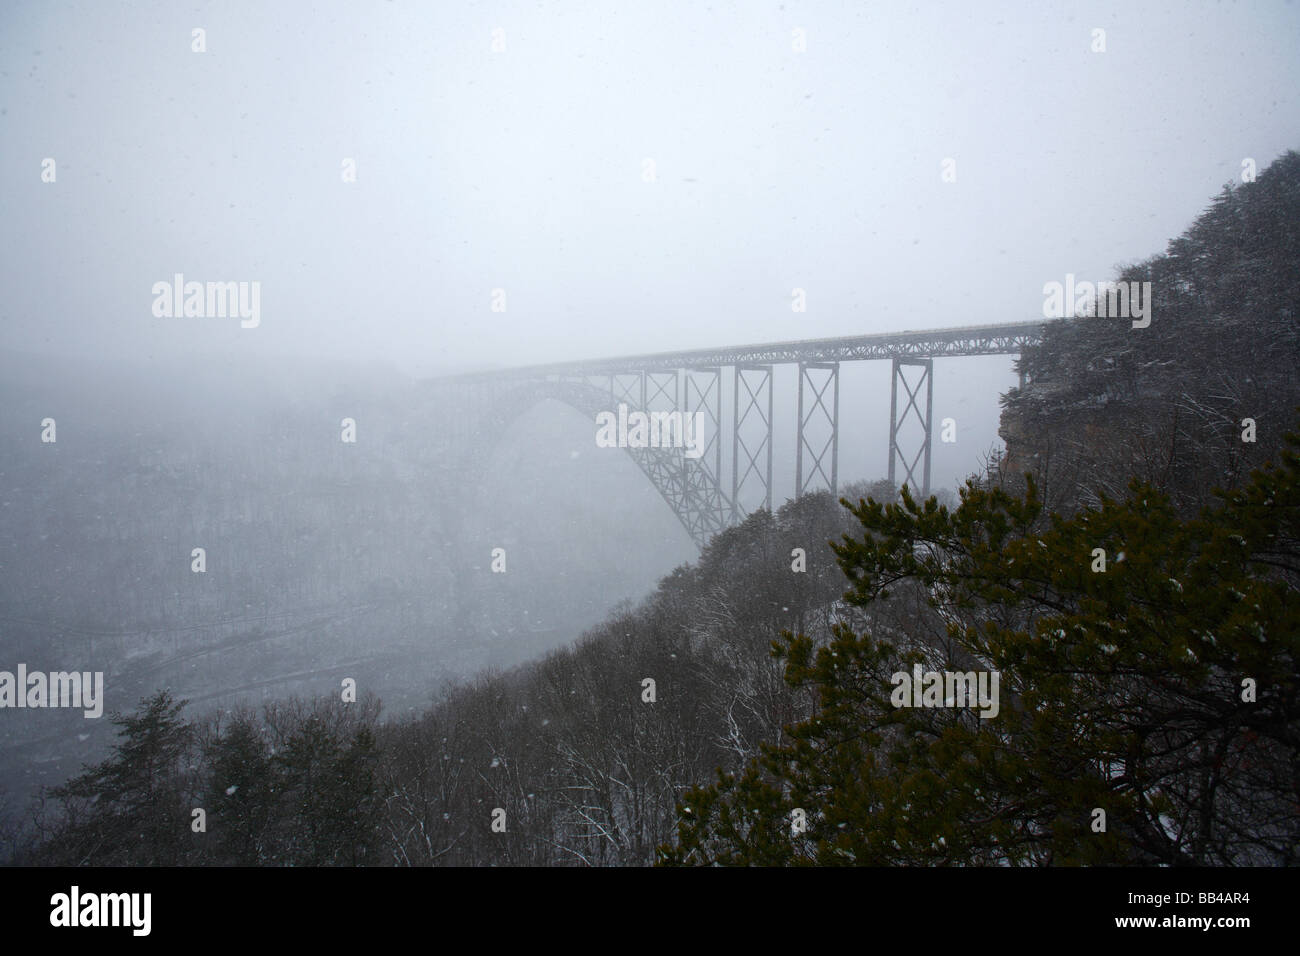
1130 568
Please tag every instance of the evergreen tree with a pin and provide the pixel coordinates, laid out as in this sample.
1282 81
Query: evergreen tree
1160 689
133 807
241 794
328 802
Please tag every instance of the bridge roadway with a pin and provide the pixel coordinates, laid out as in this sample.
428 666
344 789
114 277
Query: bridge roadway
1008 338
692 382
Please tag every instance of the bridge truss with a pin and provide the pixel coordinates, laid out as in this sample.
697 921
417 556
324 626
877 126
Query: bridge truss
694 382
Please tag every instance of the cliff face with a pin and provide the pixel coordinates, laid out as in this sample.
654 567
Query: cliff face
1173 402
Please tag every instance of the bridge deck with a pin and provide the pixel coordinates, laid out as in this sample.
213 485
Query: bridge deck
1008 338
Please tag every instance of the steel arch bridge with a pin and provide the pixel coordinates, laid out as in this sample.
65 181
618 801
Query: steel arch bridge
693 383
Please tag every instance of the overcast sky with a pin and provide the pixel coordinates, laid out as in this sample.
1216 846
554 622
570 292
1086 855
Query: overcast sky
524 169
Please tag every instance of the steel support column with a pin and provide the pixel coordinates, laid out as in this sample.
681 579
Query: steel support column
896 421
659 393
702 390
756 379
817 410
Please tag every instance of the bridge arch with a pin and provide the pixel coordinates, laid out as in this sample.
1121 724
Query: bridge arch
687 486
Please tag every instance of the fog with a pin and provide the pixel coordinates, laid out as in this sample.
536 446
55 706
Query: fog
421 189
523 169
